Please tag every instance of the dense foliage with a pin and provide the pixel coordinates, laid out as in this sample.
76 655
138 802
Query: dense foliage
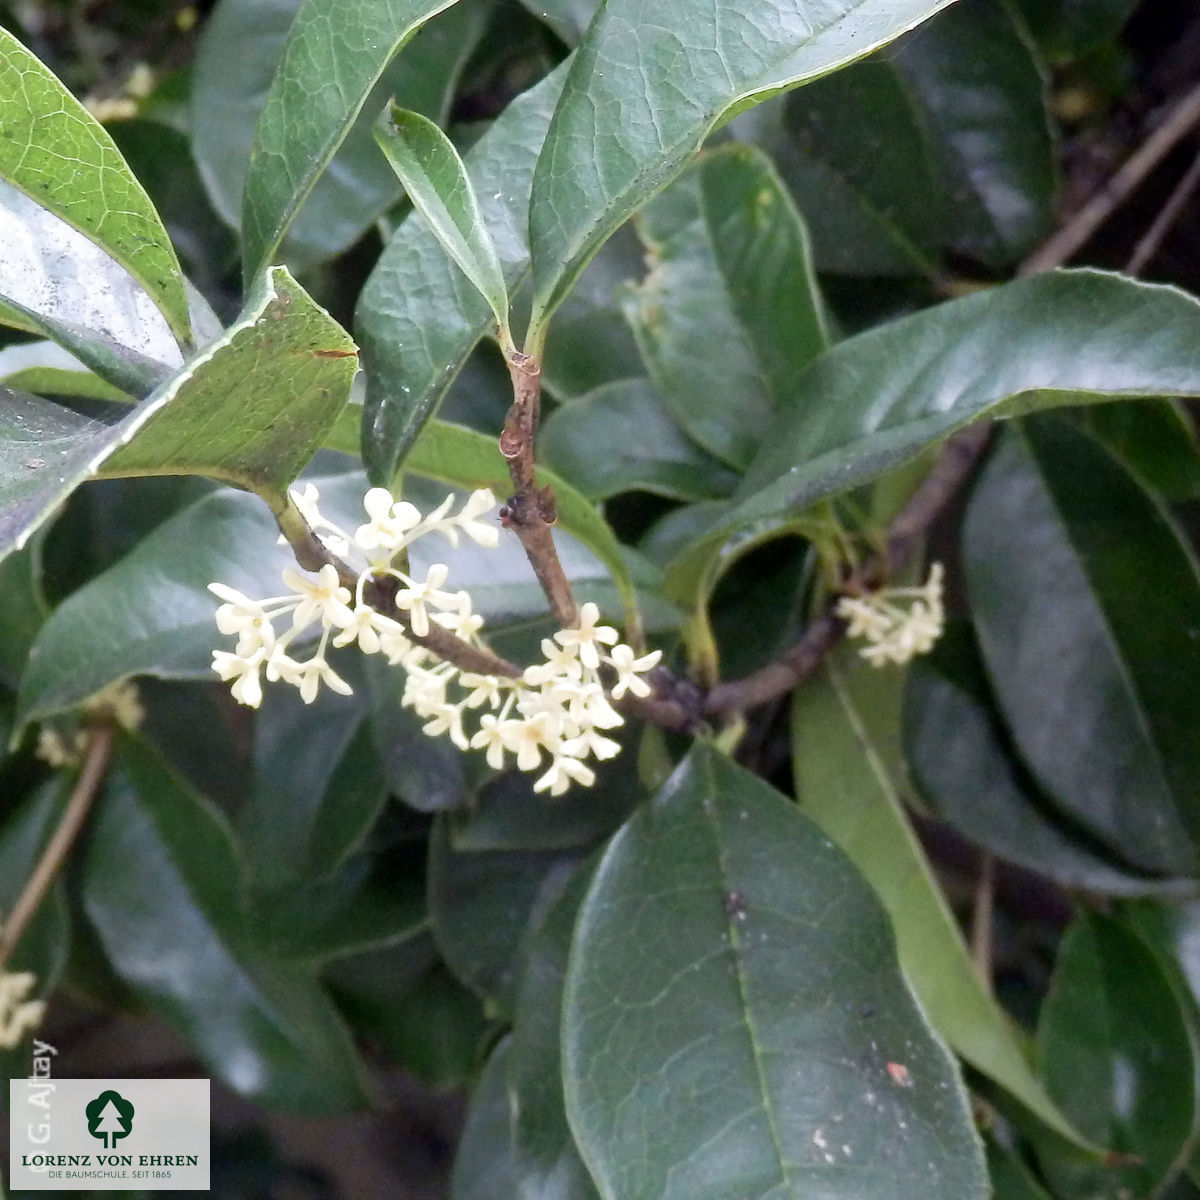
833 547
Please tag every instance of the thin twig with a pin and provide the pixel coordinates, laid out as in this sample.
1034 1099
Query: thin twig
981 920
1063 245
1150 241
531 511
313 554
95 762
936 490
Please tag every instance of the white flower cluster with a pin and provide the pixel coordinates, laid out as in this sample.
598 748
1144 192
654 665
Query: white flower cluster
18 1015
556 708
895 632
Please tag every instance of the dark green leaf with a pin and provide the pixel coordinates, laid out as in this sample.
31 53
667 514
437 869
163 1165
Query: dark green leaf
640 99
967 772
483 1167
1059 544
1011 1178
417 317
236 57
56 152
427 773
409 1004
568 18
373 902
1155 439
735 1021
160 884
593 344
1067 29
508 814
729 314
319 783
620 438
436 181
940 142
846 747
1118 1057
152 614
480 904
546 1164
334 55
1066 337
23 609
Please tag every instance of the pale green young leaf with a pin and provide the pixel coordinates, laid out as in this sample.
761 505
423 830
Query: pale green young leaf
644 92
436 181
334 54
417 317
846 757
250 409
55 151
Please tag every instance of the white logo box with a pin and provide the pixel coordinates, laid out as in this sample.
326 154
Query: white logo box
108 1134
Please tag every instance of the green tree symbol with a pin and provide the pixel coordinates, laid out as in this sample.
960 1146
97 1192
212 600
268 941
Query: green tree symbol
109 1117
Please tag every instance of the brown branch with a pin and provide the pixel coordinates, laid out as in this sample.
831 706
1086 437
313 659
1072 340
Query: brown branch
1150 241
531 512
1063 245
95 762
936 490
312 554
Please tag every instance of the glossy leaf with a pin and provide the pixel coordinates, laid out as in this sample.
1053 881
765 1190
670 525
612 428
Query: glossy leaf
57 283
729 314
347 47
23 610
640 99
237 54
621 438
174 934
1155 439
846 759
417 317
223 415
152 614
940 142
318 785
1058 542
732 1004
1118 1056
480 904
568 18
546 1164
965 768
1066 337
436 181
593 344
373 902
483 1165
55 151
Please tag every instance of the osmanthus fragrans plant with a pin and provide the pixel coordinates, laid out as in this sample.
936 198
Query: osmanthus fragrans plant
534 687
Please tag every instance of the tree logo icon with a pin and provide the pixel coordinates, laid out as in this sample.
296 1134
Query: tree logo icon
109 1117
